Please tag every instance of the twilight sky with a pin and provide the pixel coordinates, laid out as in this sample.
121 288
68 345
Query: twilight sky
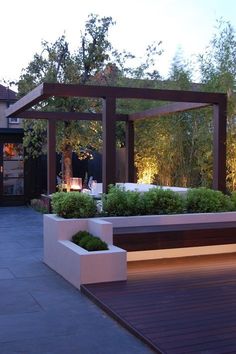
185 24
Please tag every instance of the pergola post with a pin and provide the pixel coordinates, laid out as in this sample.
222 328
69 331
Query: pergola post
51 157
219 145
109 142
129 144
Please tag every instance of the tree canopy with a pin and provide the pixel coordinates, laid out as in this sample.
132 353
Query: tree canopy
171 150
182 153
94 62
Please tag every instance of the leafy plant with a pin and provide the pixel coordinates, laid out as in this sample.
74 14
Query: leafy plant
204 200
89 242
94 62
73 205
96 244
83 242
159 201
119 202
79 236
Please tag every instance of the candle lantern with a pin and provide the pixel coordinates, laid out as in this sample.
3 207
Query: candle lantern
76 183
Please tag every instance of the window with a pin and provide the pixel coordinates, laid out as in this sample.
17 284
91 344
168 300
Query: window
14 120
13 169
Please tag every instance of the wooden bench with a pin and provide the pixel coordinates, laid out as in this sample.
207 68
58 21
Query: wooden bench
144 238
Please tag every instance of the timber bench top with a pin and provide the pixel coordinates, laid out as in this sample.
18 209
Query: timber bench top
174 227
144 238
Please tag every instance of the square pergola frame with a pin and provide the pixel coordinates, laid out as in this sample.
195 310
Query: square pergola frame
182 101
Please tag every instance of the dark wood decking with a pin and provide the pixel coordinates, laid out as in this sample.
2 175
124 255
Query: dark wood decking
143 238
177 306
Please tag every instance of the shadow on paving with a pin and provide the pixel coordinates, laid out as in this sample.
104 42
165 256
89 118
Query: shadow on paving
39 311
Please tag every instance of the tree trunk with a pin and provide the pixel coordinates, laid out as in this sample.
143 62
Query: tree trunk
67 164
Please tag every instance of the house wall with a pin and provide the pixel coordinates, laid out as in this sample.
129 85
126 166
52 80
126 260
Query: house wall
3 119
5 122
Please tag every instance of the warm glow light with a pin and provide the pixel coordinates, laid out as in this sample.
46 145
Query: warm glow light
147 169
76 183
146 177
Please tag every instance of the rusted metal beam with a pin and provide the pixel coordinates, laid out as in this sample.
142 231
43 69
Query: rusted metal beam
29 100
109 143
51 157
64 116
129 144
167 109
219 145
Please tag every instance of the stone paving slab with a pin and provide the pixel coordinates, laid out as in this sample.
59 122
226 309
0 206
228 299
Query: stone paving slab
5 273
25 303
40 313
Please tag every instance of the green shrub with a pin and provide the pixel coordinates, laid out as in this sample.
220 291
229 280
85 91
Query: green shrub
89 242
79 235
73 205
158 201
83 242
114 202
203 200
119 202
135 205
96 244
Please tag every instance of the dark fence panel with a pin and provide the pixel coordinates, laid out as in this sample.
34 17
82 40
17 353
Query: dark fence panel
36 171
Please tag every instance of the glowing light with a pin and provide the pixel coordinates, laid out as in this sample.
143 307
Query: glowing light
76 183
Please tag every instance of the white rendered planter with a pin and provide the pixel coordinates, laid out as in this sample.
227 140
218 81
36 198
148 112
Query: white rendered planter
58 229
174 219
75 264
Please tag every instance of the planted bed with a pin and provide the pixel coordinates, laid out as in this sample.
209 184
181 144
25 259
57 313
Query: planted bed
188 229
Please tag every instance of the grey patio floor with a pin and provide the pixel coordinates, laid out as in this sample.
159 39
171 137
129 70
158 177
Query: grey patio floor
40 313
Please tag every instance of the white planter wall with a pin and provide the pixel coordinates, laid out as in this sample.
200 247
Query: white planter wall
175 219
75 264
65 257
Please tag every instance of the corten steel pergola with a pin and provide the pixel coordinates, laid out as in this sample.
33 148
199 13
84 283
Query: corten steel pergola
182 101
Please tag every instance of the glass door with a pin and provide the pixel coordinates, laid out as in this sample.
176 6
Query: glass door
12 170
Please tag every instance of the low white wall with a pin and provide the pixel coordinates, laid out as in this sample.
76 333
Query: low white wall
64 229
82 267
141 187
175 219
75 264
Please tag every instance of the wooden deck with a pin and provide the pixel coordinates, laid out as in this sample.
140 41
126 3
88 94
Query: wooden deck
176 306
